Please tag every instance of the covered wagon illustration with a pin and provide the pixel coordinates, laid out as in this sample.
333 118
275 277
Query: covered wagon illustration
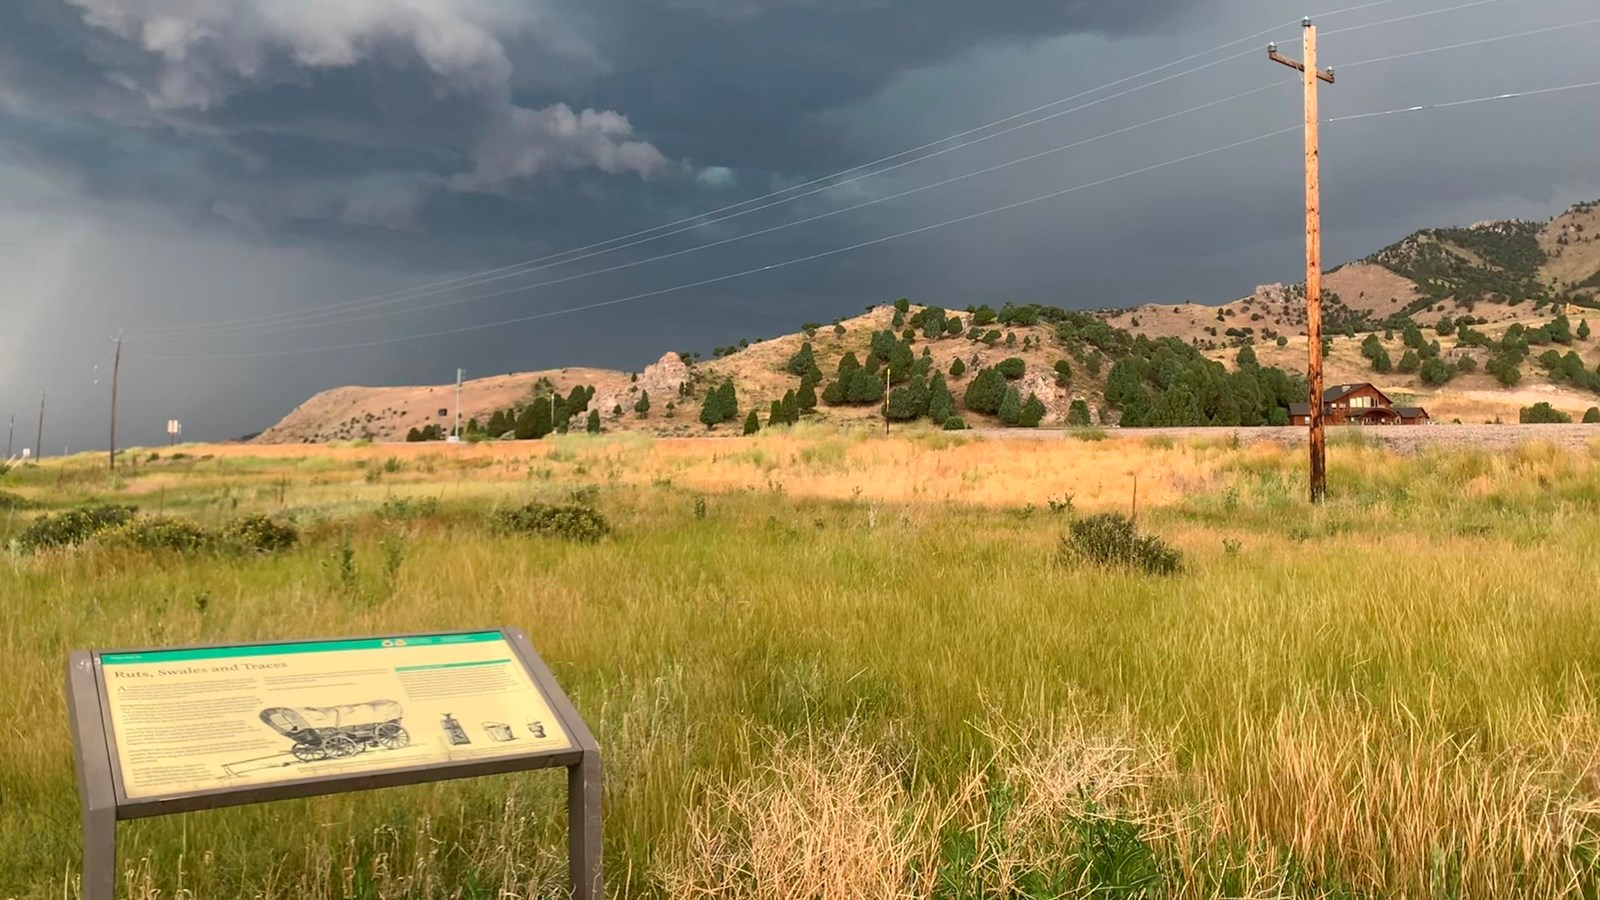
335 732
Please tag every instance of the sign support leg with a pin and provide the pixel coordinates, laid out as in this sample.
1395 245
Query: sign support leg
94 779
583 827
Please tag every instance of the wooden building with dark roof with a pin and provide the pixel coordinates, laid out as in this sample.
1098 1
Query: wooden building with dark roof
1358 404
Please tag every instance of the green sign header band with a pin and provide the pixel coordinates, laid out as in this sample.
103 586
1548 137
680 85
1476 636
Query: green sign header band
162 656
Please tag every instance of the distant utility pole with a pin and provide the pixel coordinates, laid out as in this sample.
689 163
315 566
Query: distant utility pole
116 369
886 399
9 432
1308 68
38 441
459 374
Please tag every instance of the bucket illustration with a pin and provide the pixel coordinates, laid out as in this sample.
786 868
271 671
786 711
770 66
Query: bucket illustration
499 731
453 731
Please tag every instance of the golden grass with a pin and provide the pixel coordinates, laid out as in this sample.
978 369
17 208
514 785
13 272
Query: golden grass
805 691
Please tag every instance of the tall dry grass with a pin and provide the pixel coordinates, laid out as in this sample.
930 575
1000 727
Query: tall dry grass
870 695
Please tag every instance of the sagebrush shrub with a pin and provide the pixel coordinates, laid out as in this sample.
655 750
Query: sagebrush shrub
573 521
261 534
73 526
1112 539
161 533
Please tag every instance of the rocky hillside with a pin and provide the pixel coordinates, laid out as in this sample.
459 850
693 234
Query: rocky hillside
1503 277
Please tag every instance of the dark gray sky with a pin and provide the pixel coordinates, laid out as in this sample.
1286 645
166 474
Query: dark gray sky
171 162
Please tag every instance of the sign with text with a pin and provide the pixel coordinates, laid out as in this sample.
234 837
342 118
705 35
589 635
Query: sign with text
199 719
174 729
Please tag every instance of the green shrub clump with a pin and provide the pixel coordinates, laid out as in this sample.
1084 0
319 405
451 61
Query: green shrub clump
573 521
261 534
161 533
72 527
1112 539
1542 413
1591 415
955 423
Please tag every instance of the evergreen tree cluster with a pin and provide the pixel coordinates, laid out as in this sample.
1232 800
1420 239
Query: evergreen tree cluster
721 405
1166 382
535 419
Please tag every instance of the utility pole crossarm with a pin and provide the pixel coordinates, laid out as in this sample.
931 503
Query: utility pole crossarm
1295 64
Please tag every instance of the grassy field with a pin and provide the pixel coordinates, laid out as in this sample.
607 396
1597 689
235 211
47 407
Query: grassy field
826 666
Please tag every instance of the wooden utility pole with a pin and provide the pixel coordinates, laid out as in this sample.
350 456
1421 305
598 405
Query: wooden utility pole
1308 68
885 399
38 441
116 369
11 430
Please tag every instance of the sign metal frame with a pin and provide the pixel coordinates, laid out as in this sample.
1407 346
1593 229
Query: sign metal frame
105 801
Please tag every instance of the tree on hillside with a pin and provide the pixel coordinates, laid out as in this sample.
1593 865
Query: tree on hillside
642 407
837 391
1078 414
1583 329
806 397
751 423
1063 370
802 362
902 305
941 405
1246 359
1010 407
957 368
592 425
1032 412
900 363
720 405
1410 362
1011 368
865 386
985 391
1591 415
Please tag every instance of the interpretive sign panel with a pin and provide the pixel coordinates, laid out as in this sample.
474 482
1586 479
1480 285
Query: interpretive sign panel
219 717
175 729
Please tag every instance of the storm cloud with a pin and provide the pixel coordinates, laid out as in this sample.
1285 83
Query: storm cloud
170 162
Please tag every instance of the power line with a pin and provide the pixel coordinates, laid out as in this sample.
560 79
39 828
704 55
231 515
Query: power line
1477 43
851 247
1452 103
528 267
728 277
196 328
295 320
343 316
290 326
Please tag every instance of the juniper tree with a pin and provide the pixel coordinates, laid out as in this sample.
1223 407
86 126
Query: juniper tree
752 424
986 391
642 407
941 405
592 425
806 397
1010 407
1078 414
1032 412
803 361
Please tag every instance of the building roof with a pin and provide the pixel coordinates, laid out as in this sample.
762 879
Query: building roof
1299 409
1412 412
1340 391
